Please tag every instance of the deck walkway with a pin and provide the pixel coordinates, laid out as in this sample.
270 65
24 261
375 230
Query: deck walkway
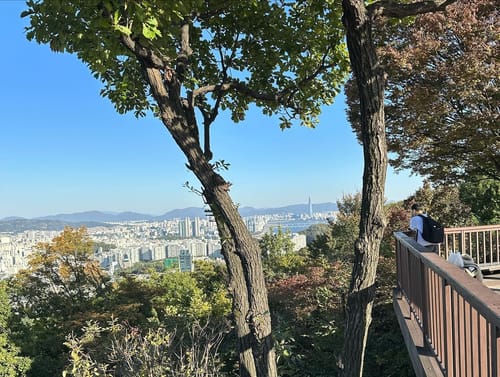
449 321
492 281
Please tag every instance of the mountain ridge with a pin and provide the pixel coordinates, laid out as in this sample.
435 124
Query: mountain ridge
111 217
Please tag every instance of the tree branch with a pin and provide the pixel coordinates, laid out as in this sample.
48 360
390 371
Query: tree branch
217 11
144 53
393 9
186 51
238 86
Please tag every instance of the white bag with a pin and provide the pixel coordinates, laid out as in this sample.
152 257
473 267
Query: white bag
456 258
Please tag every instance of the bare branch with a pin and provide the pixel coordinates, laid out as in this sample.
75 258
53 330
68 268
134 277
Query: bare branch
393 9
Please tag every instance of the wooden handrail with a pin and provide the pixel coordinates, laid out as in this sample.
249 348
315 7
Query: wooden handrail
458 316
482 243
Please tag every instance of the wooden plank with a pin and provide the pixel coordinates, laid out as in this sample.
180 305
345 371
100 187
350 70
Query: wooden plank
423 359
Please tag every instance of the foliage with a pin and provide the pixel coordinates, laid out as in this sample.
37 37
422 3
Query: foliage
483 197
443 203
338 243
323 246
442 92
64 288
61 289
278 254
315 231
386 353
178 299
236 42
309 307
144 268
12 364
308 311
398 219
170 297
62 277
155 352
129 299
346 227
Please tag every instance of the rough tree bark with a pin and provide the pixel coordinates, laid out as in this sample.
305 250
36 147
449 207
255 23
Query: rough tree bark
178 117
369 75
237 289
370 80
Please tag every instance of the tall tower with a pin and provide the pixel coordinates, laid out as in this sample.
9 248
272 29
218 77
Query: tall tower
310 208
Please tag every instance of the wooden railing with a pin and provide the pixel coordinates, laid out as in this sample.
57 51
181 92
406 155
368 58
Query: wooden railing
482 243
455 318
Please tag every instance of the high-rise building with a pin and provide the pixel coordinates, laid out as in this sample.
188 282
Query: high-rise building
185 228
196 227
310 208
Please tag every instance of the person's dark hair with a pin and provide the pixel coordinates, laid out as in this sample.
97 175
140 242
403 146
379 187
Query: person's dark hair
416 207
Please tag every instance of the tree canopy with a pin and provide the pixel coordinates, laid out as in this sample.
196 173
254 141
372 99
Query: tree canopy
443 104
287 59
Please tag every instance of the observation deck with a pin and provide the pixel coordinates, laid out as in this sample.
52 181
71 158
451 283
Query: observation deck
450 321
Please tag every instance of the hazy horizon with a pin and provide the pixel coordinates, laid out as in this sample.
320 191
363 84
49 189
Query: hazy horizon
156 214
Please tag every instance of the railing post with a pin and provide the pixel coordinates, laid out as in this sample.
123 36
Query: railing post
423 302
447 332
495 335
462 242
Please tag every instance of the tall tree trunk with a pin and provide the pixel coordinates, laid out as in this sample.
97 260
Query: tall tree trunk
238 291
370 81
257 317
178 117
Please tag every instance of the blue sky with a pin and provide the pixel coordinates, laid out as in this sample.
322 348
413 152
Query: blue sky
64 149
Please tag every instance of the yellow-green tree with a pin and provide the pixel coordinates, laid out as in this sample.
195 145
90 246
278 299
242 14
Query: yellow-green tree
55 295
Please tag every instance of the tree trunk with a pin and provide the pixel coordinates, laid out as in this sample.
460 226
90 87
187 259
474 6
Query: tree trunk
178 117
370 81
256 312
238 291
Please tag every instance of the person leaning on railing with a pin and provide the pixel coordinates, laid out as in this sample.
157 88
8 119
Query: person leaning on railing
417 225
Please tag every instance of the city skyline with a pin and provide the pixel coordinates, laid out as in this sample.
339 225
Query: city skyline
64 149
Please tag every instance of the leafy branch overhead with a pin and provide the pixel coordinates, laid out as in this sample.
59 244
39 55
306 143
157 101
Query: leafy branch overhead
228 54
442 103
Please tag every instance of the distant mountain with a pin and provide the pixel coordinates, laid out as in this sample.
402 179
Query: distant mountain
11 218
19 225
296 209
182 213
97 218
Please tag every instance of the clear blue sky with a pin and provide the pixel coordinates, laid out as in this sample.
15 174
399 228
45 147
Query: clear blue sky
64 149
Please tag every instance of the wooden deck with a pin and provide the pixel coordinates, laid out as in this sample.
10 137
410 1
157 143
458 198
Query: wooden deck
450 322
492 281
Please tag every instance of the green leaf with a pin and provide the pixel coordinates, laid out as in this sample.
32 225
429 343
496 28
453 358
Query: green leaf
123 29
